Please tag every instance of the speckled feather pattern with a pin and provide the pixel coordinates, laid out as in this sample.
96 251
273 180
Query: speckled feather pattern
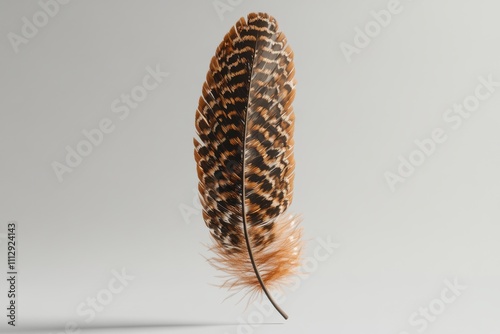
244 154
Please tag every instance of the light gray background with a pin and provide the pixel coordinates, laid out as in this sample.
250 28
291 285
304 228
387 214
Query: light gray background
121 208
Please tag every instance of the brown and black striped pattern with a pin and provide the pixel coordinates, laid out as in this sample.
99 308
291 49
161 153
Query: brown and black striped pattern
244 154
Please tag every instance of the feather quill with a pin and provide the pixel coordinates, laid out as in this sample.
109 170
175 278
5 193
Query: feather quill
244 157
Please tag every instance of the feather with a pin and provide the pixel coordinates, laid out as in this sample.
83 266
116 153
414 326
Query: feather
244 157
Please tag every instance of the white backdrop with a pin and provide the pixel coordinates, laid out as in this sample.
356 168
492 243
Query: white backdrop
397 152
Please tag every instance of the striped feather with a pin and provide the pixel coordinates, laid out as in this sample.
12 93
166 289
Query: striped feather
244 157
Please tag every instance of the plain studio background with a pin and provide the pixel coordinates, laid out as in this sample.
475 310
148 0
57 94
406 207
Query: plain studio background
128 205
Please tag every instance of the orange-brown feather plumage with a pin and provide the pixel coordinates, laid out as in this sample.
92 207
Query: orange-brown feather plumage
244 155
